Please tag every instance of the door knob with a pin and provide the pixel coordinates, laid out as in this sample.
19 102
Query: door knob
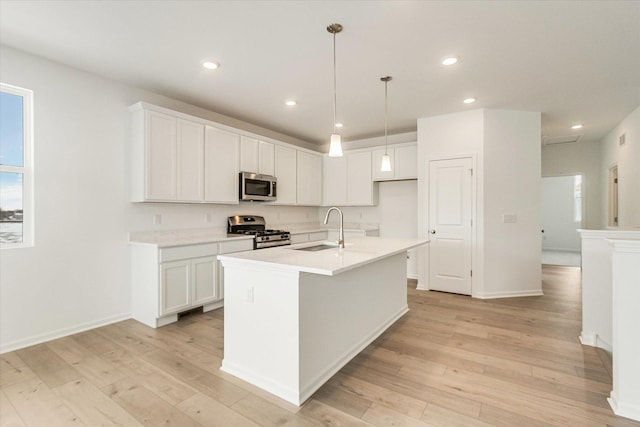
432 231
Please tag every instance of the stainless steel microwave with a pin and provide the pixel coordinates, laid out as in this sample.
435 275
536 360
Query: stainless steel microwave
255 186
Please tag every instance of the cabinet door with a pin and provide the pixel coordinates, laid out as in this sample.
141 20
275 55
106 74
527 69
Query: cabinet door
376 173
406 162
221 166
334 189
161 157
204 280
190 150
266 163
359 183
309 191
249 154
175 287
285 171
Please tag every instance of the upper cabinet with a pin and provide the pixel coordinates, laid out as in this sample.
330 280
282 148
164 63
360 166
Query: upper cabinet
403 160
334 189
167 158
221 166
180 160
347 180
256 156
309 182
286 173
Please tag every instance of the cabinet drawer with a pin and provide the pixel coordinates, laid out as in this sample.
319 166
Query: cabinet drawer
236 246
185 252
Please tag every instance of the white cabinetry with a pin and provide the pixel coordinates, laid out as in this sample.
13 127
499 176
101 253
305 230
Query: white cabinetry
187 283
347 180
256 156
359 184
309 179
190 165
167 281
403 160
334 190
285 172
167 158
221 166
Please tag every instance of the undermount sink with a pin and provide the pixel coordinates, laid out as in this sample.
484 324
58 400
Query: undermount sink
316 248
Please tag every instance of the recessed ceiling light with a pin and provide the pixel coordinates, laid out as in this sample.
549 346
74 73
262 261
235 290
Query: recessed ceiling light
470 100
210 65
450 60
291 103
338 125
576 127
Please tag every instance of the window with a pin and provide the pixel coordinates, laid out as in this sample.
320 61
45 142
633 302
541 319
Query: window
577 198
16 168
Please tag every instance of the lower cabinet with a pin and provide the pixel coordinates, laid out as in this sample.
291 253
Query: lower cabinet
188 283
167 281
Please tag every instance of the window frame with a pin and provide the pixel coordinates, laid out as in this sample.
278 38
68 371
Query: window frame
26 170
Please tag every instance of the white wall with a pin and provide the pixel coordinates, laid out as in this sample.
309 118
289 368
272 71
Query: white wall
584 159
506 146
558 214
627 157
450 135
512 185
77 274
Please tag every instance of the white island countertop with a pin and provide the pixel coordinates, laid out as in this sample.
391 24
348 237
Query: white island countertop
359 251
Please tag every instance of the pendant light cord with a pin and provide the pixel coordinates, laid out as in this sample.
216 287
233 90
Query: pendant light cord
334 84
385 116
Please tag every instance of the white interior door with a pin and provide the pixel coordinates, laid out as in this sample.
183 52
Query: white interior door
450 215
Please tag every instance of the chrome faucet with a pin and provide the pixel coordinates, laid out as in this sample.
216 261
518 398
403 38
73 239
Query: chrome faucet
341 235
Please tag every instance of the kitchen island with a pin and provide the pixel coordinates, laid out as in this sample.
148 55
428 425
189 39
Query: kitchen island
294 317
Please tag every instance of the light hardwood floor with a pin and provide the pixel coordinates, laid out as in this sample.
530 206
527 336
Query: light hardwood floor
451 361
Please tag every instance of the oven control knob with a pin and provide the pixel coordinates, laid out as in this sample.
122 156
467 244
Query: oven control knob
266 237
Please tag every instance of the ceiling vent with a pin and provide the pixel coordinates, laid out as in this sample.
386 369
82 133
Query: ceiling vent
557 140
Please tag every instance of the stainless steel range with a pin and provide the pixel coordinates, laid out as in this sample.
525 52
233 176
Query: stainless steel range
255 225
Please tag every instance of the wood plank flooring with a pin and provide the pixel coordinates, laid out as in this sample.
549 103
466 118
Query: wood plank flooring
451 361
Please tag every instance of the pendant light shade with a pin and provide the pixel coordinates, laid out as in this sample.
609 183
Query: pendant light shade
385 164
335 147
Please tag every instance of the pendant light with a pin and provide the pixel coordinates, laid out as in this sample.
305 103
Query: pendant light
335 147
385 165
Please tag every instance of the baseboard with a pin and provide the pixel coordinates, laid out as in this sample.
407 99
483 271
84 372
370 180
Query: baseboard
412 276
624 409
575 251
594 340
280 390
510 294
38 339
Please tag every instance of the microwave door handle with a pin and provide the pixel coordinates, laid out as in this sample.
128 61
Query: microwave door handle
273 189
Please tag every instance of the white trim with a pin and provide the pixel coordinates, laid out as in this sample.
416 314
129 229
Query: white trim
624 409
593 340
60 333
26 170
510 294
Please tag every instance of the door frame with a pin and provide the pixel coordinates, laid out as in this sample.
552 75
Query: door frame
477 278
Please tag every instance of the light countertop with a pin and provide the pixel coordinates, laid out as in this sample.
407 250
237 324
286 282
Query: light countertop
170 238
359 251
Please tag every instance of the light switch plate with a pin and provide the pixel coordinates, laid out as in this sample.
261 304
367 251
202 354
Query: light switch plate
509 218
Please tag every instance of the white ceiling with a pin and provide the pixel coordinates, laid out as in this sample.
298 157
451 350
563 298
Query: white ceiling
575 61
